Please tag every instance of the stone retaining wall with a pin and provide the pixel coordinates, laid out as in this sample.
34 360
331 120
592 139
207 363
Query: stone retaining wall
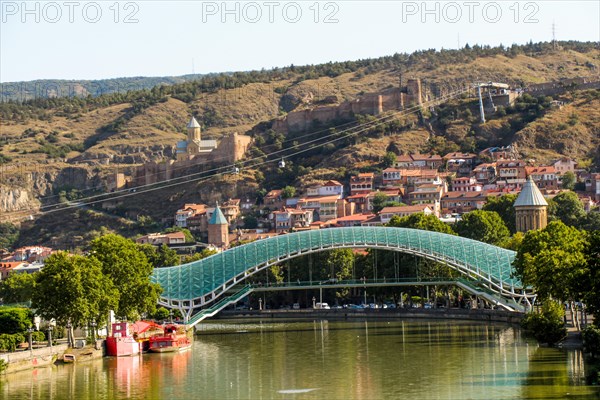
47 356
22 360
401 313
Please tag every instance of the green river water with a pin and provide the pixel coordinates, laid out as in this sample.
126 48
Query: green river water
325 360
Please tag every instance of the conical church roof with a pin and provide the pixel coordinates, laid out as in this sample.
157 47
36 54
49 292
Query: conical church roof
193 123
217 217
530 195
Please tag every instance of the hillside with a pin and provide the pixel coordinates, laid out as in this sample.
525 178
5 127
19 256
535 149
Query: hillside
95 136
46 88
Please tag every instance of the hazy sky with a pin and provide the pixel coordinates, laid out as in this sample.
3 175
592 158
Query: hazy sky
108 39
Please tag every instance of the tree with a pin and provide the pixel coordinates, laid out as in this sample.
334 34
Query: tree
379 201
567 208
161 314
421 221
514 242
9 234
547 326
339 263
591 222
199 256
568 180
592 291
389 159
161 257
17 288
72 288
485 226
250 222
288 192
552 260
129 270
15 319
189 238
504 206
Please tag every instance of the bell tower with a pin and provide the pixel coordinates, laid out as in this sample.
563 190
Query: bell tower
193 131
531 208
218 229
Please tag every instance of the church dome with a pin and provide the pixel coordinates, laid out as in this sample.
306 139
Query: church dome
530 195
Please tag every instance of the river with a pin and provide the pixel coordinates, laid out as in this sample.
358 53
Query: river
325 360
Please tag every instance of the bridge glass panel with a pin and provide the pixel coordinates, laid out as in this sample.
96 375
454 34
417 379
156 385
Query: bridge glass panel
200 278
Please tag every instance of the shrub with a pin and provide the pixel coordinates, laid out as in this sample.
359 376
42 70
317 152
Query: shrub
10 342
15 320
547 326
38 336
591 340
161 314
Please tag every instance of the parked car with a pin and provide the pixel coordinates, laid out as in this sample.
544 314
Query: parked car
322 306
296 306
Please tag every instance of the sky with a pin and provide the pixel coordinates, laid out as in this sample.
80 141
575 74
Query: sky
74 39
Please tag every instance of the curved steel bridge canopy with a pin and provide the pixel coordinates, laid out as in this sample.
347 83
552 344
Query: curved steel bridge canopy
199 283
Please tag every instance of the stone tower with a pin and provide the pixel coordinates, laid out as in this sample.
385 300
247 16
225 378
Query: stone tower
531 208
193 129
193 137
218 229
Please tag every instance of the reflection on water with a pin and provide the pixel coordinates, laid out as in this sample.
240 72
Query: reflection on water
321 359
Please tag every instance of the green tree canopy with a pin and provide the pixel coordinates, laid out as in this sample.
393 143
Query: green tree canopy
421 221
15 319
161 257
199 256
288 192
128 268
17 288
485 226
567 208
591 222
250 222
339 263
592 255
379 201
189 238
503 205
568 180
9 234
73 288
552 261
389 159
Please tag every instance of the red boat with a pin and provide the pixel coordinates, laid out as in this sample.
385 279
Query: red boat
129 339
174 338
122 341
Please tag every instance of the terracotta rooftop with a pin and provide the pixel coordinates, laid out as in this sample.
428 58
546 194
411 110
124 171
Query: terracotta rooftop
400 209
458 155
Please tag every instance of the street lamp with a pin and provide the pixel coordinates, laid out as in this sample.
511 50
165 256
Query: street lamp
50 327
259 304
30 332
93 324
69 338
171 315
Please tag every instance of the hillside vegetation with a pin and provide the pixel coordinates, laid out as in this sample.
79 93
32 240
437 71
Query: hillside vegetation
129 128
